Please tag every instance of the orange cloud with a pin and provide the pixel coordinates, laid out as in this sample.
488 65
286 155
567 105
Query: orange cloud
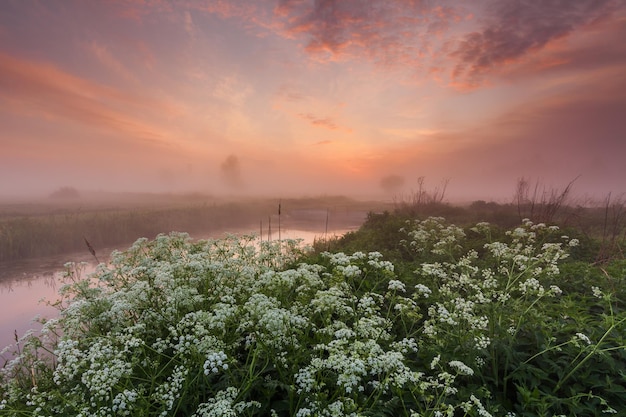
39 87
325 122
104 55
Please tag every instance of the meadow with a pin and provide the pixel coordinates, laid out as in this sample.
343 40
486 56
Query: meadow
412 315
50 227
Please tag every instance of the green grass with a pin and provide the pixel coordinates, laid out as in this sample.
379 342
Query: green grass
49 228
405 317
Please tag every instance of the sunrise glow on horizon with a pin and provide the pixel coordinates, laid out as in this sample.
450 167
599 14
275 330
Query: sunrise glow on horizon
311 97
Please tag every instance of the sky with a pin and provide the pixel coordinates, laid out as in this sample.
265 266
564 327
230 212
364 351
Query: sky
309 97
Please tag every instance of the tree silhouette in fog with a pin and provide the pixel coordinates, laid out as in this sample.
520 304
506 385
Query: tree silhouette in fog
392 183
65 193
231 171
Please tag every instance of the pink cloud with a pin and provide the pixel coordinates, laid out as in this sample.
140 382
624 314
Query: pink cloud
107 58
350 27
465 43
39 87
325 122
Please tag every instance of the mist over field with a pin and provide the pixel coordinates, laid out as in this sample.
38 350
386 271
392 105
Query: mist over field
299 98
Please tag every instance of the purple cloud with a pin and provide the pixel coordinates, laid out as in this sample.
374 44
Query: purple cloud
517 28
379 29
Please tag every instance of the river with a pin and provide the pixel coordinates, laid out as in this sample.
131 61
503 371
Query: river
25 286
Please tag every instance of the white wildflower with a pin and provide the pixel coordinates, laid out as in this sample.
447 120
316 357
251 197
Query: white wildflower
479 407
423 290
597 292
584 338
435 361
349 271
214 362
395 285
555 290
482 342
461 368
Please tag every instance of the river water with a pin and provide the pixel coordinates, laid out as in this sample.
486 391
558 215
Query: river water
26 287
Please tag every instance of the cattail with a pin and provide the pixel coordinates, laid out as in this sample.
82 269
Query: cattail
91 249
279 220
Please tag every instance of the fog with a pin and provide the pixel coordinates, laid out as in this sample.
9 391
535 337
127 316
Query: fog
242 177
241 101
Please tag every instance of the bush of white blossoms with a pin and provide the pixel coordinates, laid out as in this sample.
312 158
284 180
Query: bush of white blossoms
238 327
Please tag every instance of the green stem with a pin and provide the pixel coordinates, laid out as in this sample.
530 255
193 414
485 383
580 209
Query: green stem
586 358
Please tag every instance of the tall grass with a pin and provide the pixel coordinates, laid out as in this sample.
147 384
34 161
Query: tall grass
55 230
28 237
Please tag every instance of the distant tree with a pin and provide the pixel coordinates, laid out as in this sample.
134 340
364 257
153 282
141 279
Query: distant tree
392 183
478 204
231 171
65 193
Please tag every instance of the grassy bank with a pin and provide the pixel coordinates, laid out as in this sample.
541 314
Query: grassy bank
34 230
30 230
406 317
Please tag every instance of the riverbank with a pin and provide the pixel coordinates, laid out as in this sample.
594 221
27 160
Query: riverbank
39 229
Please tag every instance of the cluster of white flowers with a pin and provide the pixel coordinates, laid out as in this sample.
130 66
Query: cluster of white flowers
555 290
461 368
106 366
482 412
168 392
396 285
375 261
423 290
434 269
597 292
215 361
435 236
339 258
224 404
349 271
174 319
531 286
334 300
123 403
69 358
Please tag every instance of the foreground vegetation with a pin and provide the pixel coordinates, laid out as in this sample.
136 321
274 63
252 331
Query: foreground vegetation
441 320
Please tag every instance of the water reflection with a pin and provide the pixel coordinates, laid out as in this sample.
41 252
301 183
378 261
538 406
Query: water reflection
27 288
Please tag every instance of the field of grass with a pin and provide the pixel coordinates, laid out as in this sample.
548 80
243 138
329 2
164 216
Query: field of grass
411 315
51 227
30 230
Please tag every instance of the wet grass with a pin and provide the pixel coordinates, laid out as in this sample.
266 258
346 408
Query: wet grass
35 229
